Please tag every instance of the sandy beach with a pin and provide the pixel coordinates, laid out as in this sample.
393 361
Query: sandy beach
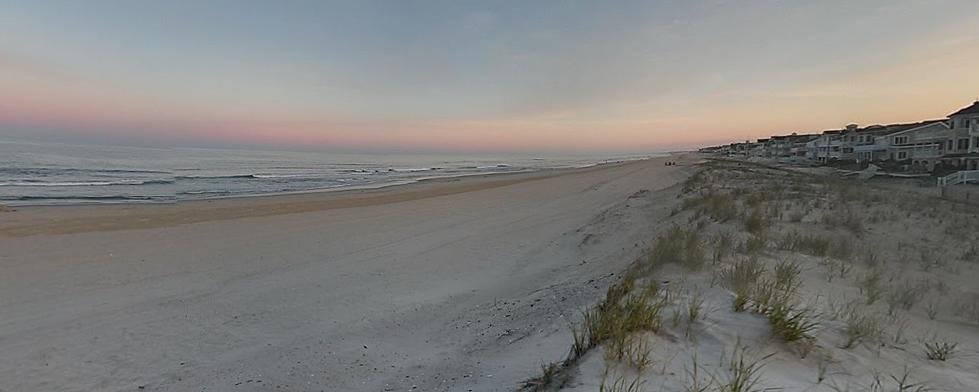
453 284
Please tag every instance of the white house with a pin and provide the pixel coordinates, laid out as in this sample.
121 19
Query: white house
962 147
920 147
825 148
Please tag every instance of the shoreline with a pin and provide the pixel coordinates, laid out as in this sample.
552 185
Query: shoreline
35 184
369 186
77 218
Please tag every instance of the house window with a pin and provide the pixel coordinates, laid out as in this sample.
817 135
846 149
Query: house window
950 145
963 144
902 155
901 140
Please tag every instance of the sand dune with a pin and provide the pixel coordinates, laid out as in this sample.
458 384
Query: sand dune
440 285
772 280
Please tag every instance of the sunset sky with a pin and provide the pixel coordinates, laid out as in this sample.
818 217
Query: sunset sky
476 75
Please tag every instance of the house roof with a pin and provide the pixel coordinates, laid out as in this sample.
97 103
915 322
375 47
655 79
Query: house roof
919 126
878 130
972 109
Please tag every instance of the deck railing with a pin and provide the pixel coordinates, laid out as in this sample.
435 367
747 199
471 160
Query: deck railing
959 177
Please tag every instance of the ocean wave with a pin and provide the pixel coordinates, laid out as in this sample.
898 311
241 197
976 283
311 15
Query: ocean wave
217 177
412 169
260 176
87 198
214 192
285 176
32 183
62 170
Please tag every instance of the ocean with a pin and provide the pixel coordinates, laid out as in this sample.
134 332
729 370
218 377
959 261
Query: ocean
55 174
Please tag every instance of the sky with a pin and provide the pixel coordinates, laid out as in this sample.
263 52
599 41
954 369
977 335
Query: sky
568 76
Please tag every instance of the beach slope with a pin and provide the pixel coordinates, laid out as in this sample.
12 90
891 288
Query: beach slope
441 285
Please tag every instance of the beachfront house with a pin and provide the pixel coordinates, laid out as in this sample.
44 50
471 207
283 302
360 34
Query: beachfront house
826 147
797 144
761 148
962 146
937 146
919 148
870 146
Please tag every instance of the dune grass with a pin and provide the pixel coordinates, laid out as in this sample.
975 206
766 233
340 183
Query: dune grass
724 214
744 372
679 245
861 328
619 383
806 243
741 278
939 349
719 207
871 286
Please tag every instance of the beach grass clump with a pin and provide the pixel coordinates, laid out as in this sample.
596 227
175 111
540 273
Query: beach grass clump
904 383
630 349
695 181
642 312
809 243
720 207
870 286
940 350
695 308
787 276
926 261
620 384
754 244
744 372
549 373
861 328
842 248
694 381
904 296
617 317
870 258
723 245
681 246
970 255
768 293
754 221
772 297
741 278
791 323
797 215
773 212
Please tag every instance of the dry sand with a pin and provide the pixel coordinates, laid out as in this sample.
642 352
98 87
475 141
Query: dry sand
442 285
